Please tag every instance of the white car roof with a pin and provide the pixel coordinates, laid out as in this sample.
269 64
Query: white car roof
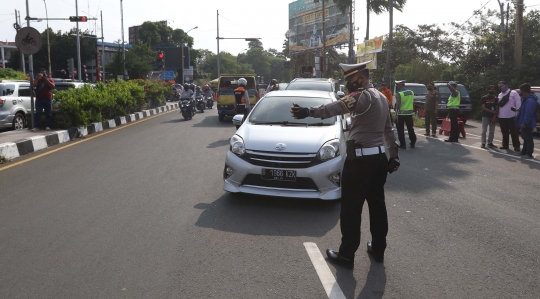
302 93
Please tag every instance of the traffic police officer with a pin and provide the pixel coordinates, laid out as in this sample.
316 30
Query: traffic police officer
241 99
453 111
366 167
404 113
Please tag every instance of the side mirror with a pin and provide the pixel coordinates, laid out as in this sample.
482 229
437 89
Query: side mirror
237 119
348 124
340 94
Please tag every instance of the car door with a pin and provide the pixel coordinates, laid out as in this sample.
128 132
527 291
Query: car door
23 97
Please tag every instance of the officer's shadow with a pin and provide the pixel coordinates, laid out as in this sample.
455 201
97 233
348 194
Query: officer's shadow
373 288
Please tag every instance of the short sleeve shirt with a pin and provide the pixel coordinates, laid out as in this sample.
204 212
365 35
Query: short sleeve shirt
491 103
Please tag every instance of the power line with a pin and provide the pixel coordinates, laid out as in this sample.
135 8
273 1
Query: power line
474 13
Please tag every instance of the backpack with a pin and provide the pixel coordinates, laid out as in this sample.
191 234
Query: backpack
41 86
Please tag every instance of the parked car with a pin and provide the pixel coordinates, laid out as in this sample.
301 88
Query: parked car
276 155
15 104
314 84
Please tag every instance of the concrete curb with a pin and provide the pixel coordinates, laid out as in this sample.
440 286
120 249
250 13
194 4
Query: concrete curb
11 150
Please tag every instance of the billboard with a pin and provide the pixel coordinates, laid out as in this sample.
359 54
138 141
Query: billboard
305 25
370 46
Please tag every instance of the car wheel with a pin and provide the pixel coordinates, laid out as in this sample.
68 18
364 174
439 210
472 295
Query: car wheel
19 122
221 117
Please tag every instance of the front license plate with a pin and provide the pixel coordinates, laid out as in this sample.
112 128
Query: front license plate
278 175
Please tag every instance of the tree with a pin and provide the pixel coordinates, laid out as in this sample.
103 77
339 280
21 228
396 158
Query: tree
155 34
179 38
63 47
378 7
256 43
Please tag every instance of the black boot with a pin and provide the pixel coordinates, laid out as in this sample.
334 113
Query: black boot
377 256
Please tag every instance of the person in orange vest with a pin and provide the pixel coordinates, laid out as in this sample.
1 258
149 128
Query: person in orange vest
387 93
241 99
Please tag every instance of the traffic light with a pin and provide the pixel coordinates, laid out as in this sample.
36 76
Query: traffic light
160 60
78 19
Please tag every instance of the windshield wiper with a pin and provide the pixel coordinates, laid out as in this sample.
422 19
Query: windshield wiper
285 122
318 124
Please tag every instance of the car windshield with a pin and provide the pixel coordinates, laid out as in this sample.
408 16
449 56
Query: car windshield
324 86
444 91
418 90
277 109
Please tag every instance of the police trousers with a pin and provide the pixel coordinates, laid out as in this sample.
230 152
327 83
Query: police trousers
400 126
363 180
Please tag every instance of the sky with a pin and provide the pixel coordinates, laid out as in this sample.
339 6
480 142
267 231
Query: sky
267 20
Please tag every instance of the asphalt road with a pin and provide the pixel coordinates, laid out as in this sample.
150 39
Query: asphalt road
140 213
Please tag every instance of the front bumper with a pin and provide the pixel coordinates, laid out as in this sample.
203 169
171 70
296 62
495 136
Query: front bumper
312 182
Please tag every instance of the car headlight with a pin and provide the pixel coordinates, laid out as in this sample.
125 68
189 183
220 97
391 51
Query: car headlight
329 150
237 145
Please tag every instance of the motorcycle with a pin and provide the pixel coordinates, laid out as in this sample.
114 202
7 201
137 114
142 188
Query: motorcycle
209 102
200 103
186 109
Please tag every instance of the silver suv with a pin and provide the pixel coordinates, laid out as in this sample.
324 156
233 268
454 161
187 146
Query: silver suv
14 103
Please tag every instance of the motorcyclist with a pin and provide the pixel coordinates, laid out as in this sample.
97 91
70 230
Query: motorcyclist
198 92
208 91
241 99
187 94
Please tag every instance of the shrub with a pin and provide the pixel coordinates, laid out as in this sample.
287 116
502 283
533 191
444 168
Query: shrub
81 106
12 74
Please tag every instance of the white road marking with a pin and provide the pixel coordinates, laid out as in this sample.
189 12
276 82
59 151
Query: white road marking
494 140
492 151
325 275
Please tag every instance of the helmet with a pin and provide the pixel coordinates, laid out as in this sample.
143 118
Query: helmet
206 87
242 82
186 86
197 88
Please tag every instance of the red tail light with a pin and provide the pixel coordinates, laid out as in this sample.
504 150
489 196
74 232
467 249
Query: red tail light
2 101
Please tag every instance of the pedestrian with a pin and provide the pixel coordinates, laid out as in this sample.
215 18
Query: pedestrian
404 114
508 99
430 109
272 86
453 111
490 110
241 99
526 120
43 87
366 166
387 93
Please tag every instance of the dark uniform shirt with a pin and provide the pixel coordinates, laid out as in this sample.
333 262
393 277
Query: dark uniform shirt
371 122
431 100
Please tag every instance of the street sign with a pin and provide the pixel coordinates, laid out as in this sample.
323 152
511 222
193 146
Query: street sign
188 72
169 75
28 40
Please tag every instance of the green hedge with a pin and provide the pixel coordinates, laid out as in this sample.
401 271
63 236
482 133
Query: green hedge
81 106
7 73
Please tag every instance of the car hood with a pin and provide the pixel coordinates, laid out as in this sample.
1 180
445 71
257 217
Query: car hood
297 139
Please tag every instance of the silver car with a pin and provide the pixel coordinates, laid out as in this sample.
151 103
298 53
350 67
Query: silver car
276 155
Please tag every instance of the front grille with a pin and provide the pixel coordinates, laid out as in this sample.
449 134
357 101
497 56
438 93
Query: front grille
287 161
300 184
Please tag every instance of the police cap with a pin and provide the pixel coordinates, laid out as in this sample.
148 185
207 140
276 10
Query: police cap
351 69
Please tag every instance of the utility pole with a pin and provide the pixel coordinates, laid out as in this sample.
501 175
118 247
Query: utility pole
503 35
31 70
323 58
48 41
123 43
518 51
218 57
78 42
389 47
351 33
18 26
102 49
